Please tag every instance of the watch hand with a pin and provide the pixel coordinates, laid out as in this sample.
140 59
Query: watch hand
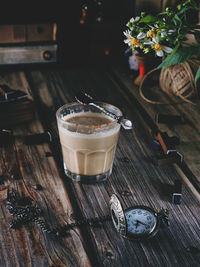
140 222
136 224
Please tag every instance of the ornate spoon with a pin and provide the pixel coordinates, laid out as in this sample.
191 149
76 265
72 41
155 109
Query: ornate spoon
86 99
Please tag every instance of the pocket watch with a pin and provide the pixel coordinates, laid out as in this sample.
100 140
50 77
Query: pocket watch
138 222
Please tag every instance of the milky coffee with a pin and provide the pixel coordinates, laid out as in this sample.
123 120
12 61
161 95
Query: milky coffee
88 147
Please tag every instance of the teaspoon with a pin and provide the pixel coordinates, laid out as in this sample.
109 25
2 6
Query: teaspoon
86 99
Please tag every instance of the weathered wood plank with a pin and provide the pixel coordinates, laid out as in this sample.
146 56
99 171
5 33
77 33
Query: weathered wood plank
26 166
144 180
188 131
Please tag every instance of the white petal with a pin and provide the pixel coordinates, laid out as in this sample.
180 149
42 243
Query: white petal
148 43
126 41
141 35
159 53
163 34
170 32
127 33
131 20
155 39
167 49
137 18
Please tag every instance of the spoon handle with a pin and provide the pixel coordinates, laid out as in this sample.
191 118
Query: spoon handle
108 113
126 124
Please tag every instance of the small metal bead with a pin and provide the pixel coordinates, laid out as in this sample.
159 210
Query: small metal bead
42 225
14 224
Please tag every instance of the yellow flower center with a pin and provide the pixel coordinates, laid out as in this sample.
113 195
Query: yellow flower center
151 34
135 42
157 47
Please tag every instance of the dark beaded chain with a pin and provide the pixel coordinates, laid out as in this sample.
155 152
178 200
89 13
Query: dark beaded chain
24 212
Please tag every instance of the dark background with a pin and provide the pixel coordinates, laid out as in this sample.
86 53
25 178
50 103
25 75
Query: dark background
92 41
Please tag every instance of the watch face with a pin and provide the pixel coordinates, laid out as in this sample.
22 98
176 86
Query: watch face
141 222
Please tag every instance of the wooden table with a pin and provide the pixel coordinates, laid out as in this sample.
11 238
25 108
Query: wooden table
22 167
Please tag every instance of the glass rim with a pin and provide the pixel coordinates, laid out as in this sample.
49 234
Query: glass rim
113 122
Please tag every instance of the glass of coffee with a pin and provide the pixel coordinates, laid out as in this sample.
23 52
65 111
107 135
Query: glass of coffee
88 139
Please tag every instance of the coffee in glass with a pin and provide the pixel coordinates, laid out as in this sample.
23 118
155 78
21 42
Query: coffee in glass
88 139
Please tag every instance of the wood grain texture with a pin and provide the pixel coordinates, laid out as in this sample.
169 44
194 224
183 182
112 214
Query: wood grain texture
53 88
188 131
24 167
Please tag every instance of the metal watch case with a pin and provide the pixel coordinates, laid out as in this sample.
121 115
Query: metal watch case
119 218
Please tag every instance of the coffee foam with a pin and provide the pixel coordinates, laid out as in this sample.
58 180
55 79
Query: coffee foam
102 131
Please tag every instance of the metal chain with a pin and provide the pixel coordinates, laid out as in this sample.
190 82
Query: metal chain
163 214
24 212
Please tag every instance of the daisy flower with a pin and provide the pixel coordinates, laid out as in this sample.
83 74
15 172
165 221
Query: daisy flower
158 48
151 34
132 42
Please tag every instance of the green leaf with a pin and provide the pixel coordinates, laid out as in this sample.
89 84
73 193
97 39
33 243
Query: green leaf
148 18
167 61
174 21
197 76
177 18
179 56
181 11
197 36
183 54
